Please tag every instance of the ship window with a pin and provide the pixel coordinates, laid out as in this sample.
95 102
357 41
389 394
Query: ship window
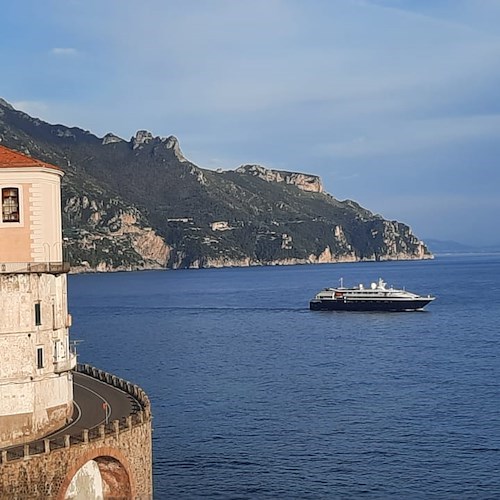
10 205
39 357
38 314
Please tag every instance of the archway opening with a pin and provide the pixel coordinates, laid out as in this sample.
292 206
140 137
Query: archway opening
103 478
116 483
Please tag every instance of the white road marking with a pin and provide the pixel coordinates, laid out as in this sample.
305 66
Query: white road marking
108 406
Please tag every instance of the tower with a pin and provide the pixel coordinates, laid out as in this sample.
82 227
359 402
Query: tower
36 389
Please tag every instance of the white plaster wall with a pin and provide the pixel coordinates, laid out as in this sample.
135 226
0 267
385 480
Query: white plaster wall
16 363
35 397
16 399
50 393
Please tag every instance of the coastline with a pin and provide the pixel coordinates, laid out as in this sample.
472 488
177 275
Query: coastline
221 264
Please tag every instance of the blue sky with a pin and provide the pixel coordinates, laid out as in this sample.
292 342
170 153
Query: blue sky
394 103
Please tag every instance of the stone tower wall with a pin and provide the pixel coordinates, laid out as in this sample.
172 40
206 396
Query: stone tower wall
36 390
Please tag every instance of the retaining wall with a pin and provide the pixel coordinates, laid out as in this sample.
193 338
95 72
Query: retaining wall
43 469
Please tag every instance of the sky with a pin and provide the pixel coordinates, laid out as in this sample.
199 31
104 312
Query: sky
393 103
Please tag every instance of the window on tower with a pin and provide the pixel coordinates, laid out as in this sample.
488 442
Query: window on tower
39 357
10 204
38 314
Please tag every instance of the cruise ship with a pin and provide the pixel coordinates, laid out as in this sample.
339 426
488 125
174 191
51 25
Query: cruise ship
376 297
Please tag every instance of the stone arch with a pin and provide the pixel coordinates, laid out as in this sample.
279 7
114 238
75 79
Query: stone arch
115 471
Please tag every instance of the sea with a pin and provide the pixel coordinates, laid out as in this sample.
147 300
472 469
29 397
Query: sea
254 396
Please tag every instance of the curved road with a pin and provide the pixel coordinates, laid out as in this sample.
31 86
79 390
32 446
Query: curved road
96 403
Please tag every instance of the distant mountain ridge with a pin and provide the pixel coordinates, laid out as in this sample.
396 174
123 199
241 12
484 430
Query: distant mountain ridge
453 247
140 204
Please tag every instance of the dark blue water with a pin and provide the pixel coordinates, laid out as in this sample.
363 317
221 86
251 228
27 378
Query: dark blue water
254 396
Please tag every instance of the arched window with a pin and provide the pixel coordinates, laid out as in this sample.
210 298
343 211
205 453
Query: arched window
10 205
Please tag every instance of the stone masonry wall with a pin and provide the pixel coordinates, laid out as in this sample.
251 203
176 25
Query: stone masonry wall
47 473
48 476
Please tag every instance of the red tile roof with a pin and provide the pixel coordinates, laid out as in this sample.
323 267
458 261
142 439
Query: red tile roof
10 158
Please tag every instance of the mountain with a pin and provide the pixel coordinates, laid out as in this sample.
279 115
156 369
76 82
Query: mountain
453 247
140 204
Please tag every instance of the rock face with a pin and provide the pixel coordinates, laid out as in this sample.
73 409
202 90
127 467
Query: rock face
110 139
109 237
141 137
305 182
140 204
172 143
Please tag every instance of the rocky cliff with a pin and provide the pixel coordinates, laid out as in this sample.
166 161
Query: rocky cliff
140 204
103 234
302 181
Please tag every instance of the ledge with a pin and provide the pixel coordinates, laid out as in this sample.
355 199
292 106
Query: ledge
66 364
34 267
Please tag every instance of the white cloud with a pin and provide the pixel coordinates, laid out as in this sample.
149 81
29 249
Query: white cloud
64 51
